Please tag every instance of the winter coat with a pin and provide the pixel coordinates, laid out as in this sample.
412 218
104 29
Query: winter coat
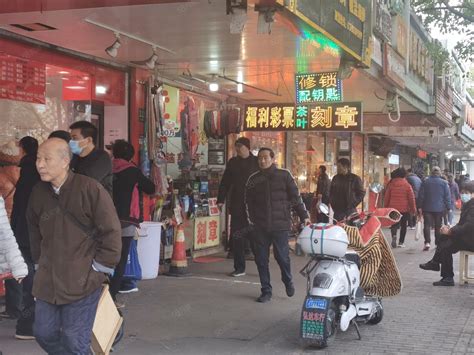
270 195
399 195
323 187
346 193
434 195
455 195
8 177
465 228
128 181
97 165
29 177
10 255
236 174
415 183
72 234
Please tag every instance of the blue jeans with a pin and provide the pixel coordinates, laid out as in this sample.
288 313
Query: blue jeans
66 329
281 251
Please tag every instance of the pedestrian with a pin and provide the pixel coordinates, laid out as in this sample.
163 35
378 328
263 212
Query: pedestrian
75 240
455 195
323 188
232 188
415 183
399 195
347 191
128 182
65 135
434 199
11 260
29 177
88 160
454 239
270 194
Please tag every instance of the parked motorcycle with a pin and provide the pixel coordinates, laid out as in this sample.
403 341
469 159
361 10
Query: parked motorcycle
335 300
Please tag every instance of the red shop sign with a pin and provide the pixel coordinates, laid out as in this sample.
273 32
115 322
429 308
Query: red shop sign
22 79
421 154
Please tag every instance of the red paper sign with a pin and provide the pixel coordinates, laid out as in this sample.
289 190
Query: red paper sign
22 80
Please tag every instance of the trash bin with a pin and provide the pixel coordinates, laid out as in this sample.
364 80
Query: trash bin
149 249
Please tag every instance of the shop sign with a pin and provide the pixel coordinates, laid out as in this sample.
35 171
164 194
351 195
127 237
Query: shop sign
318 87
377 52
22 80
171 125
402 36
343 117
206 232
346 22
420 62
393 67
213 208
421 154
383 22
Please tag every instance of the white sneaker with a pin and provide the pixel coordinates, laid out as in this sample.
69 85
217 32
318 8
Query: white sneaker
401 245
426 247
129 291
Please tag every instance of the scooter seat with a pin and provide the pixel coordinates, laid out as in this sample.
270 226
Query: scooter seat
353 257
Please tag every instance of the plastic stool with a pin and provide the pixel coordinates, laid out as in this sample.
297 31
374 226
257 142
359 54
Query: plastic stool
464 277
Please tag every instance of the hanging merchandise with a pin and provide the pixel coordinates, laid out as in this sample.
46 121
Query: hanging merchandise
202 133
158 106
189 133
218 124
150 122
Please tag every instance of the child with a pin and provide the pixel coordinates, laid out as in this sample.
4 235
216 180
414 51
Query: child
10 256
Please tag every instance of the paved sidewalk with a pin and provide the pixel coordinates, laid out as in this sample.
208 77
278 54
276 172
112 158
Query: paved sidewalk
210 313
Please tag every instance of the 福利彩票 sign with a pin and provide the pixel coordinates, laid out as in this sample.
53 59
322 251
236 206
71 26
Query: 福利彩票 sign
341 116
318 87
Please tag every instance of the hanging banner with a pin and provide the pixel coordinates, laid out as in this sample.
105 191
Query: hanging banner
318 87
22 80
340 117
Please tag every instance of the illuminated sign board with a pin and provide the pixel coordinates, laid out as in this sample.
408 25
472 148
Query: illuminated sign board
318 87
341 116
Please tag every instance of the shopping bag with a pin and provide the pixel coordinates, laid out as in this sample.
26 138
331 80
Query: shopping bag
419 229
458 204
133 269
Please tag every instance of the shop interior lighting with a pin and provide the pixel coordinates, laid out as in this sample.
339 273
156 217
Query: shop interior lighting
240 88
213 85
101 90
113 49
150 62
63 72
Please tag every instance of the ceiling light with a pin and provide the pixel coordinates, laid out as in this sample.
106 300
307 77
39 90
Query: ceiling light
213 85
101 90
74 87
63 72
65 78
458 160
150 63
240 88
113 49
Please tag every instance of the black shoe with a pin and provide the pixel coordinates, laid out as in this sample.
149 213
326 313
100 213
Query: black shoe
445 281
236 273
430 265
290 289
264 298
6 315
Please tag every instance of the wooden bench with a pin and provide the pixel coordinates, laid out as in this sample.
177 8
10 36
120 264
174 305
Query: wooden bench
464 276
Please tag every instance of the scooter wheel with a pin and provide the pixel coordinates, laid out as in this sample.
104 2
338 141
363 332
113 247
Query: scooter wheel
378 316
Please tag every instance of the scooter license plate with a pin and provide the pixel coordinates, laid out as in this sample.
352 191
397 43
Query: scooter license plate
313 318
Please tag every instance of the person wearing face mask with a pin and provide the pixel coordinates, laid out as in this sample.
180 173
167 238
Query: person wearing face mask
270 195
454 239
88 160
347 191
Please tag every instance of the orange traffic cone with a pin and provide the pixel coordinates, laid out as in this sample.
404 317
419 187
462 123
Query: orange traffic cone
179 263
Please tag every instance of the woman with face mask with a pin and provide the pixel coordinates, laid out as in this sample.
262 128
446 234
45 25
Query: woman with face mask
454 239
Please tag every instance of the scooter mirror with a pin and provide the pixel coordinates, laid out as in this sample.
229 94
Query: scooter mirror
324 208
376 187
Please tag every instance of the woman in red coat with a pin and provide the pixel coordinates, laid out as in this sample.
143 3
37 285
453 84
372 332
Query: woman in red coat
399 195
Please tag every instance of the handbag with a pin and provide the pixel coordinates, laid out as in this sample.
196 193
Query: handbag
419 229
133 269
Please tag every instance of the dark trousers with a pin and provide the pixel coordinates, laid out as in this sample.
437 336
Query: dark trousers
120 268
66 329
281 252
431 219
402 224
448 246
13 295
241 239
25 322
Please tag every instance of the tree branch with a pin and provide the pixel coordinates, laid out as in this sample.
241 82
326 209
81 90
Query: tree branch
457 12
441 8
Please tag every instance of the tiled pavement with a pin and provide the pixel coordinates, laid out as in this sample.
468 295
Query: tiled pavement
210 313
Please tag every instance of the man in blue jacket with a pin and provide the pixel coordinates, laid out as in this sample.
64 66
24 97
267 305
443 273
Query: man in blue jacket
434 199
415 183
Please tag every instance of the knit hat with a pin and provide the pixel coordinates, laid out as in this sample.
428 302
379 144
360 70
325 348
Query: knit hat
244 141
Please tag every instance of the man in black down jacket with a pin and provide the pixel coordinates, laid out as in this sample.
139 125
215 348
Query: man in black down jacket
454 239
233 183
347 191
270 195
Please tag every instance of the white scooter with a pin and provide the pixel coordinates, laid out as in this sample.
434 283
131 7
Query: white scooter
334 296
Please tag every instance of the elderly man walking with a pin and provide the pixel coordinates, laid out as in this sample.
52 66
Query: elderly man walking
434 199
75 238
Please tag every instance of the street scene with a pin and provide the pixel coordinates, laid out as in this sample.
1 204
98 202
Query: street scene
236 177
